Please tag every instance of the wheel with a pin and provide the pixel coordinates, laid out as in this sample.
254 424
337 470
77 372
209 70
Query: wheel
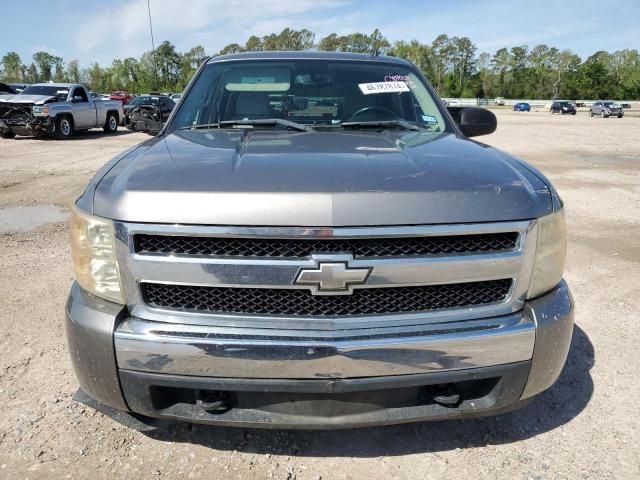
619 115
602 114
590 113
7 135
111 125
574 112
63 128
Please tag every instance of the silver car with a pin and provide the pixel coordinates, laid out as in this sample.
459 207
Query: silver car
606 109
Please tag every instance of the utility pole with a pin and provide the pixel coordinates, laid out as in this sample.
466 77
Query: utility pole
153 48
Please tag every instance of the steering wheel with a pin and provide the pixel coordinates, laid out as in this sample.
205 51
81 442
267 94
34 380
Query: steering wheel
370 109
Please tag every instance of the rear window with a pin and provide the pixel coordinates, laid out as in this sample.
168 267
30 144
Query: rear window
144 100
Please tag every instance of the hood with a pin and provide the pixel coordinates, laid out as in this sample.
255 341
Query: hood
20 98
276 178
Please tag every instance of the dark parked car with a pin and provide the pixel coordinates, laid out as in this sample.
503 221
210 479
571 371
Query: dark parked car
522 107
563 107
606 109
18 87
147 113
7 89
356 262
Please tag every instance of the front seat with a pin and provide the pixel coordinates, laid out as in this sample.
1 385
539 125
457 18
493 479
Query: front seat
252 105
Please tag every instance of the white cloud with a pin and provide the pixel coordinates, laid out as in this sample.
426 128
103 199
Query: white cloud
119 31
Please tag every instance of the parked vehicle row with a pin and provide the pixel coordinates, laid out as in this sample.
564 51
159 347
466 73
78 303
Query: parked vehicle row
57 109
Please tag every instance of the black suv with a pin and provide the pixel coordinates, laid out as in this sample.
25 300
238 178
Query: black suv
563 107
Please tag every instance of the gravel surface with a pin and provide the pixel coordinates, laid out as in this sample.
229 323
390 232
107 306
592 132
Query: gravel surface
586 426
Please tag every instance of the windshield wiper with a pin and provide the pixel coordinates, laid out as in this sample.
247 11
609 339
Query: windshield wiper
383 124
257 122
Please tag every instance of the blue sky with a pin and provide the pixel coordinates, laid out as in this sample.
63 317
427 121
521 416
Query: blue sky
100 31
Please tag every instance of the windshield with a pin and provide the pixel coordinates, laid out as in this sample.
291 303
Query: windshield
49 90
144 100
312 92
608 104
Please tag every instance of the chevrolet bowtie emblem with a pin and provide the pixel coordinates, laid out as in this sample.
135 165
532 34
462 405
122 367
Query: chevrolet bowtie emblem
332 277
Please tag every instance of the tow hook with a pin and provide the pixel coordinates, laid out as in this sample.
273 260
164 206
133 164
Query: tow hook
212 402
447 396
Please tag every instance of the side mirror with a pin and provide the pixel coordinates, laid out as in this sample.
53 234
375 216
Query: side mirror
474 121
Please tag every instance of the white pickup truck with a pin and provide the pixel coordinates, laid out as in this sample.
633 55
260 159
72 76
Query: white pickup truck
57 109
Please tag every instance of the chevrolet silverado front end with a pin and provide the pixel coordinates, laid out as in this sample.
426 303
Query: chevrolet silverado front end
312 241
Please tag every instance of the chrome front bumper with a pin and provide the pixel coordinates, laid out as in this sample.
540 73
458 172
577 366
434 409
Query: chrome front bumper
112 352
208 351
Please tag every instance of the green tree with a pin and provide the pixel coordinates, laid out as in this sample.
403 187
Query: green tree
45 63
562 63
519 71
483 66
231 48
73 71
32 74
417 53
464 52
254 44
168 64
379 44
442 56
190 62
501 63
331 43
12 67
374 44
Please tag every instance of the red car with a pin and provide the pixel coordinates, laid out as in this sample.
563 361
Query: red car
124 97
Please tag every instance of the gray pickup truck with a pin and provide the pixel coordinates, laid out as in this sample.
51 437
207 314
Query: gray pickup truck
312 241
57 109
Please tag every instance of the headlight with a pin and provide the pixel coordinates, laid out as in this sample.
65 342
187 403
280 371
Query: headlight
41 111
94 256
551 251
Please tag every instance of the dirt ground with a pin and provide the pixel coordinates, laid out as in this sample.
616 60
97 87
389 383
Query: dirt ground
586 426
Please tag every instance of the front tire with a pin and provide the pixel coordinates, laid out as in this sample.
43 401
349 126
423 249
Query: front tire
603 115
63 128
111 125
7 135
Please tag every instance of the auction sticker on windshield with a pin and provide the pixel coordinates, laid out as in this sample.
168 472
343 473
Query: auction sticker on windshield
383 87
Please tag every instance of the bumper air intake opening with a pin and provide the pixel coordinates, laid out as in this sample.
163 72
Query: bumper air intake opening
323 403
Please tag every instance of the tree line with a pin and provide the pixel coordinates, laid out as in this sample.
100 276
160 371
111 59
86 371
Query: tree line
452 64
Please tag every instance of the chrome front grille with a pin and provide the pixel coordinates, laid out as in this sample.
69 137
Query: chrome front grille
237 277
290 302
303 247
